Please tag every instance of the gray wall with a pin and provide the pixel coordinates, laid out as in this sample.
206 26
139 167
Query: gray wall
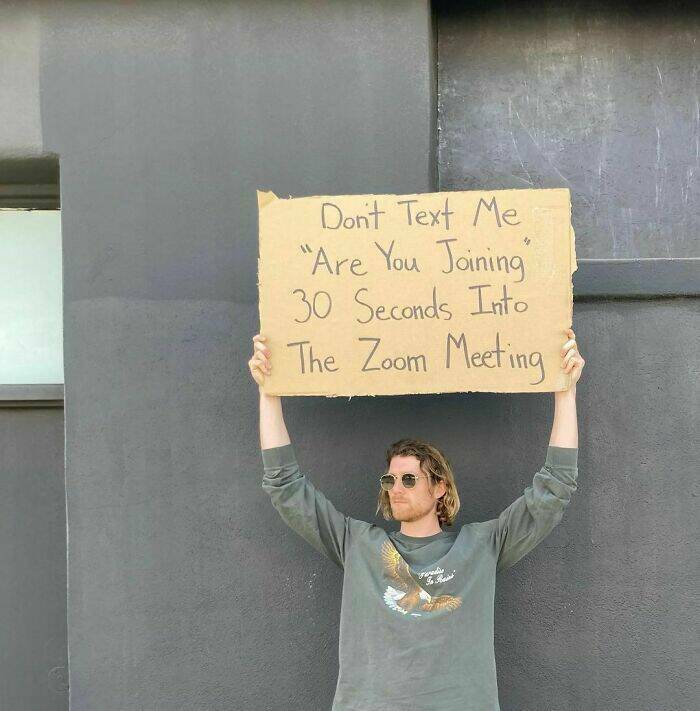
20 48
604 101
34 670
185 588
601 98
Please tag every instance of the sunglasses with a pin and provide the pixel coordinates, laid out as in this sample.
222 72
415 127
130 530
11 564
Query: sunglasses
408 480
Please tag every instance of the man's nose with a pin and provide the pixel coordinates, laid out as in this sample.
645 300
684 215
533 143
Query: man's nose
398 484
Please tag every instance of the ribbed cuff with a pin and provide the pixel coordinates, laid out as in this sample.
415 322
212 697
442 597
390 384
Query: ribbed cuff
275 457
561 456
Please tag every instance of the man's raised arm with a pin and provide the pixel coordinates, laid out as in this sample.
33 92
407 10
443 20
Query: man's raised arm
527 521
303 508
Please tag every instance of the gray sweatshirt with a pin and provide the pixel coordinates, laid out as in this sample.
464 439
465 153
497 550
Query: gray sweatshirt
416 615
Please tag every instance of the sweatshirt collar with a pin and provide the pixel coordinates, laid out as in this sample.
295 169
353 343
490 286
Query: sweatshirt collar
423 539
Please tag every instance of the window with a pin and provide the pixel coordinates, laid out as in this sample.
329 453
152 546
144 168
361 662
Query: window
31 303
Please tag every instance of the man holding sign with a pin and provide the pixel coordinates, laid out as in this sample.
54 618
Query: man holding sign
416 622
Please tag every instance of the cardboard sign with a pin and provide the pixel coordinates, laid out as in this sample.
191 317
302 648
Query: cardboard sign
423 293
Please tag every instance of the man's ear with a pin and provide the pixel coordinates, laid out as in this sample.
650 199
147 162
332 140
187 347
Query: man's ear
440 489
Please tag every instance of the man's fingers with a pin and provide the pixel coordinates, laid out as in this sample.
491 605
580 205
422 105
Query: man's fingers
257 372
574 364
568 345
260 364
571 354
262 361
262 353
258 361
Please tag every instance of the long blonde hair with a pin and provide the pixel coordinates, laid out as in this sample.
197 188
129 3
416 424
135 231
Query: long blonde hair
433 463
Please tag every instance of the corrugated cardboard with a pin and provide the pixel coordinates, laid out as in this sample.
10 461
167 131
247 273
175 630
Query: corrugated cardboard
450 292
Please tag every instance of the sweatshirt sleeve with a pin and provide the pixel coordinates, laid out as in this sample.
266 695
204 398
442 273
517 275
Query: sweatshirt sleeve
303 507
529 519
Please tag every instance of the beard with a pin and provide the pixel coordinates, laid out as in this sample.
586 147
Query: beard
408 512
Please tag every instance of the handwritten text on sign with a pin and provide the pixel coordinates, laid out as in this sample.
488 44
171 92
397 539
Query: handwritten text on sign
433 292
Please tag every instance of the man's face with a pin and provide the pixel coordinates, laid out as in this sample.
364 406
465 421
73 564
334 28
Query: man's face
415 503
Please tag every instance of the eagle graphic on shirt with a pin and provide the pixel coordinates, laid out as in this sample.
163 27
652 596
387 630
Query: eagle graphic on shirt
407 596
